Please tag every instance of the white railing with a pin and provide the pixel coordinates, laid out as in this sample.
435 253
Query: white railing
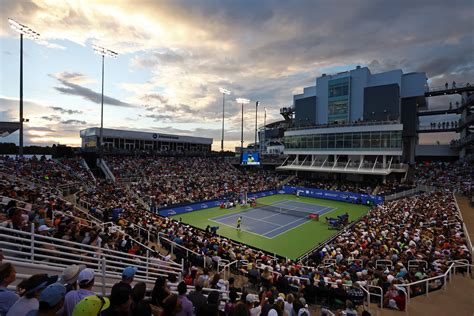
174 245
104 282
464 227
103 165
419 188
445 277
31 247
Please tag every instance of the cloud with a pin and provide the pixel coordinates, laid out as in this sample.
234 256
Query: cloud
51 118
71 88
73 122
267 53
65 111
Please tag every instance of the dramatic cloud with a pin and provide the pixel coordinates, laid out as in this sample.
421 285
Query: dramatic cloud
65 111
174 55
71 88
73 122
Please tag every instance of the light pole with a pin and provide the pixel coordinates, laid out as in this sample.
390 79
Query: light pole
242 101
103 52
224 92
28 32
264 130
256 110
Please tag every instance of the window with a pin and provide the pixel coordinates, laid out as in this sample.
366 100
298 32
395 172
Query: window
375 139
347 140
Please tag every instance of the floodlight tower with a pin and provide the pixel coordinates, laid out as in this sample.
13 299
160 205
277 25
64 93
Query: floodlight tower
29 33
256 110
103 52
242 101
224 92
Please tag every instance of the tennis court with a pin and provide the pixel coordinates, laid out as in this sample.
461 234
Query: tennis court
287 235
274 219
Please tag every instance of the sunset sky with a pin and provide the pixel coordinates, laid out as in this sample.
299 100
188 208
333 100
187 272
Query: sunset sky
174 55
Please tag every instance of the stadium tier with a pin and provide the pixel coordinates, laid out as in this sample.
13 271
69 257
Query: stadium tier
59 218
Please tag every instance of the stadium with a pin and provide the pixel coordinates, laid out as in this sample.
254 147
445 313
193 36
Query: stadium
337 208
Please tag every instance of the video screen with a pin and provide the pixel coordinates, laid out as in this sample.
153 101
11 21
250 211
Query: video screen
250 159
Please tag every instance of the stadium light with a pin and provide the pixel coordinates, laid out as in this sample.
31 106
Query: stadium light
256 110
224 92
103 52
242 101
29 33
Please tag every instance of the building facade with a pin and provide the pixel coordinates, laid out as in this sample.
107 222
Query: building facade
130 141
356 122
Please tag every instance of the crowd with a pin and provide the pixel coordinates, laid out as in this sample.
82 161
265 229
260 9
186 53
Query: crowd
334 185
451 176
425 227
168 181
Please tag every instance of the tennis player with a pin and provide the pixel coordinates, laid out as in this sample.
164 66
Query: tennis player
239 223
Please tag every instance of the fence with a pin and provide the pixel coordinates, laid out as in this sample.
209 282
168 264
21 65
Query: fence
33 248
419 188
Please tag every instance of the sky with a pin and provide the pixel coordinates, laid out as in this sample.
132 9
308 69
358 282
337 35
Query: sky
174 55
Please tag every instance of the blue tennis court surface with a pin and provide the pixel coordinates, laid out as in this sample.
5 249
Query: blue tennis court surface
270 224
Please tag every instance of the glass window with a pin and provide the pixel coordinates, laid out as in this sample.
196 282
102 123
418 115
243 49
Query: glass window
375 139
324 140
340 140
356 140
331 140
385 140
365 140
347 140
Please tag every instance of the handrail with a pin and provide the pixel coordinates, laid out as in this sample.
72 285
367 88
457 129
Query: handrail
464 227
73 252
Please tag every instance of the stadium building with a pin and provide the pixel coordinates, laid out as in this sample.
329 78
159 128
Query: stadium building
356 122
129 141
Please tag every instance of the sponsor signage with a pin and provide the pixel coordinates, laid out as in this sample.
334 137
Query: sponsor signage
334 195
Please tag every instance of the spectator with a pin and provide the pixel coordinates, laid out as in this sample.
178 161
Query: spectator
120 302
70 275
350 310
241 309
30 291
51 300
85 279
212 306
198 299
7 297
127 278
160 291
186 304
289 304
229 307
93 305
171 305
139 306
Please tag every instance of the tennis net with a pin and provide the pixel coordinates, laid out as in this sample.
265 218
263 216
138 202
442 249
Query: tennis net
286 211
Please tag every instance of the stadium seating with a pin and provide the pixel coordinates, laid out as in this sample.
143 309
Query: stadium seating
402 248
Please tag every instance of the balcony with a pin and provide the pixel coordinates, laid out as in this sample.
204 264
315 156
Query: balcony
357 167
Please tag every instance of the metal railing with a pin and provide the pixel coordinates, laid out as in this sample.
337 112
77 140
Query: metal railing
188 252
443 278
363 123
417 189
33 248
464 227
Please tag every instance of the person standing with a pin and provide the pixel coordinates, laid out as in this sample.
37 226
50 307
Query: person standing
239 223
7 297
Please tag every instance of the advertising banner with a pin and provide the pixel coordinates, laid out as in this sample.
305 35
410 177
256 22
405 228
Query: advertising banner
348 197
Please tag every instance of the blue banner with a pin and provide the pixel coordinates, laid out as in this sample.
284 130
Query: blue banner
348 197
208 204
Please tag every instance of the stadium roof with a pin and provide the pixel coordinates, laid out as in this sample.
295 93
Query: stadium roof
7 128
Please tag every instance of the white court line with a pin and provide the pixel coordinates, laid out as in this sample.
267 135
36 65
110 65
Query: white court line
256 219
247 231
285 225
284 232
